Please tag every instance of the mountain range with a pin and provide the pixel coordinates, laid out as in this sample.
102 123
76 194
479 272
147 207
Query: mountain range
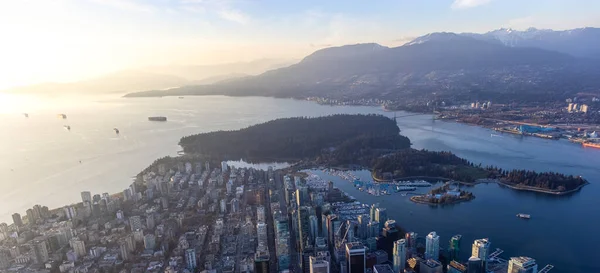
443 65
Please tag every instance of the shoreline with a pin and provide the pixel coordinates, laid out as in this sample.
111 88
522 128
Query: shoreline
414 199
485 181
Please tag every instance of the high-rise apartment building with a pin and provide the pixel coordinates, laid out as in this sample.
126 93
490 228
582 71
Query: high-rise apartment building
432 246
481 250
78 247
454 248
381 215
135 222
522 265
190 259
86 196
399 255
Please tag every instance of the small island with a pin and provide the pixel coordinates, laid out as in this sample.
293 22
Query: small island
449 193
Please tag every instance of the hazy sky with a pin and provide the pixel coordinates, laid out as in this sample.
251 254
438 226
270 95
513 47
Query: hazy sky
62 40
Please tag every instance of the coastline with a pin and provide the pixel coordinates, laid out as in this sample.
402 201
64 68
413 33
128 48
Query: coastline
483 181
415 199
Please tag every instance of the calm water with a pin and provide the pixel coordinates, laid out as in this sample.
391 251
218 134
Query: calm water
40 164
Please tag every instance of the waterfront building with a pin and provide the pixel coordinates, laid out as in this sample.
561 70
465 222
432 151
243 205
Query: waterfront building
430 266
319 265
432 246
372 212
474 265
355 257
381 215
399 255
454 248
78 247
481 250
190 259
456 267
522 265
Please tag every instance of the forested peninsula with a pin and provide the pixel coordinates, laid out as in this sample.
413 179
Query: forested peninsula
366 141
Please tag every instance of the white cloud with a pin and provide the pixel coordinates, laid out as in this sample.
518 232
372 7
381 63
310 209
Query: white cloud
129 5
465 4
522 23
234 16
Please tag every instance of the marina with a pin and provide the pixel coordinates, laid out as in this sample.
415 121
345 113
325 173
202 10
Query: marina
379 188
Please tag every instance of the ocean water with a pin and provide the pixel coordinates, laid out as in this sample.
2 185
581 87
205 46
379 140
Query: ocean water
43 163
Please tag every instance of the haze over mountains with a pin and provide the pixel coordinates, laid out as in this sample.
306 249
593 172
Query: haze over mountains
500 65
157 77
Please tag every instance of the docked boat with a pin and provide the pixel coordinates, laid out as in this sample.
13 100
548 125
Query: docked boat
157 118
405 188
591 145
524 216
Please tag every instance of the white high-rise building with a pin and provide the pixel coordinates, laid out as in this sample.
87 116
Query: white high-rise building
399 255
481 250
135 222
318 265
261 232
78 247
432 246
190 258
522 265
260 214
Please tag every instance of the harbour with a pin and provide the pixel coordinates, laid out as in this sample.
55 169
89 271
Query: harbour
109 164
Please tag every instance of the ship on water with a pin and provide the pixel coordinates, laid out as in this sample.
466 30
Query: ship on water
157 118
524 216
591 144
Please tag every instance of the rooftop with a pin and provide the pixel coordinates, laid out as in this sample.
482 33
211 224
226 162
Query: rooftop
382 268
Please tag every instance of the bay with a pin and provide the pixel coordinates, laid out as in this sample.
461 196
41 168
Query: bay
40 164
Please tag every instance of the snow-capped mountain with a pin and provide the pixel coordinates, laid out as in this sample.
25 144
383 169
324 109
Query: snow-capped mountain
581 42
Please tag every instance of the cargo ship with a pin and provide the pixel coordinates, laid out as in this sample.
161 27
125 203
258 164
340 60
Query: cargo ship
157 118
524 216
591 144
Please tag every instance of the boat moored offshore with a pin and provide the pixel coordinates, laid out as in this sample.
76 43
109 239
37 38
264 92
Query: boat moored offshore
524 216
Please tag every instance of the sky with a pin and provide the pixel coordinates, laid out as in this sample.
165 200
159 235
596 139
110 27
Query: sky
69 40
